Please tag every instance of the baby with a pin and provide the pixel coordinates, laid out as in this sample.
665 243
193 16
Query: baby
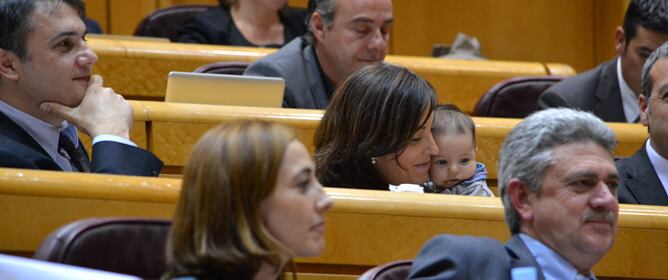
454 169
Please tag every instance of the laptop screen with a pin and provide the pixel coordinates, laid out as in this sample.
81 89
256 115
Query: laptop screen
220 89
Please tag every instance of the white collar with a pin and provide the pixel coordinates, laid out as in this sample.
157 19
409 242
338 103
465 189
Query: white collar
629 98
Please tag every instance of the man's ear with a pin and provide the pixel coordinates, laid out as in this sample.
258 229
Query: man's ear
620 40
318 26
644 110
519 197
8 65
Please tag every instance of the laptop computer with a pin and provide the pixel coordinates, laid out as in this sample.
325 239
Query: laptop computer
220 89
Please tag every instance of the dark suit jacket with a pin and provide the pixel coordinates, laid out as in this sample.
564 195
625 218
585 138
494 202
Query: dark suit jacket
596 91
297 65
215 26
466 257
639 182
19 150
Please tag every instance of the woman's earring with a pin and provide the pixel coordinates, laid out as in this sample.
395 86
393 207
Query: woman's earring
373 160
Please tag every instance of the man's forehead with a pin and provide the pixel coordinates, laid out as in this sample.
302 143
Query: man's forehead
647 38
570 154
53 21
363 10
658 74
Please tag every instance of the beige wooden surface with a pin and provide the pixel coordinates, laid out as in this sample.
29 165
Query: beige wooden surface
139 69
365 228
175 127
574 32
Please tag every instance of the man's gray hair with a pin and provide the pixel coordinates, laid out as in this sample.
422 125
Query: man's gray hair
528 150
646 81
325 8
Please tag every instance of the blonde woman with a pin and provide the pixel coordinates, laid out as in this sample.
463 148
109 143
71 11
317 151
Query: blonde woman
249 203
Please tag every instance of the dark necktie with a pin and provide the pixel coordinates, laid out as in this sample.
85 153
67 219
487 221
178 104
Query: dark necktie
77 159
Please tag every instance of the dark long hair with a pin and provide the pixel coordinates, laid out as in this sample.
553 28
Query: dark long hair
375 112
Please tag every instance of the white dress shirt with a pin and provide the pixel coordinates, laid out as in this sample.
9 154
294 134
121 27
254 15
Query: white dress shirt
629 98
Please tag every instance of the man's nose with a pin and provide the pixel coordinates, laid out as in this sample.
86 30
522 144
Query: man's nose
87 56
605 197
378 42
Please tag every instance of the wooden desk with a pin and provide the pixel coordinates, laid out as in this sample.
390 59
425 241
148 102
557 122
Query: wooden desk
139 69
364 228
172 129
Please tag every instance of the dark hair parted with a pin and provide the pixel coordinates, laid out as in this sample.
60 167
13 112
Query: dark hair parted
17 21
376 111
650 14
218 228
448 119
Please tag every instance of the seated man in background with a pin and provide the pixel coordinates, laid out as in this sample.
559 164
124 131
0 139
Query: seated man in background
558 184
343 36
645 175
47 92
610 91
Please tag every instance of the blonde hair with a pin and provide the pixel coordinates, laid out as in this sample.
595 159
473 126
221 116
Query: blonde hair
217 227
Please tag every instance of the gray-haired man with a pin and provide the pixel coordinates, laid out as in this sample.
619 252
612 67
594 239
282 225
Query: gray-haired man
558 185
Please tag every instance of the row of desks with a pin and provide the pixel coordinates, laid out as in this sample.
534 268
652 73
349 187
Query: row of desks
365 228
170 130
138 69
362 228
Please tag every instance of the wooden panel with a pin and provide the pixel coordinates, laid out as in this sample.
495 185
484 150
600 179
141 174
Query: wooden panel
558 69
462 82
608 14
573 32
520 30
176 128
97 10
125 15
364 228
138 69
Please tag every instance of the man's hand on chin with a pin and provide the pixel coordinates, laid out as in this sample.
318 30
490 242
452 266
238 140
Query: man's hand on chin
101 111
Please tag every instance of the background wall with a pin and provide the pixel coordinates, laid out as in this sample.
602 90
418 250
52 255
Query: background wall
575 32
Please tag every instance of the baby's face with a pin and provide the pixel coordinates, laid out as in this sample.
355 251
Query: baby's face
455 161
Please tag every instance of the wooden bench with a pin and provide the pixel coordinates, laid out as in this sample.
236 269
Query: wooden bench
138 69
171 129
364 229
